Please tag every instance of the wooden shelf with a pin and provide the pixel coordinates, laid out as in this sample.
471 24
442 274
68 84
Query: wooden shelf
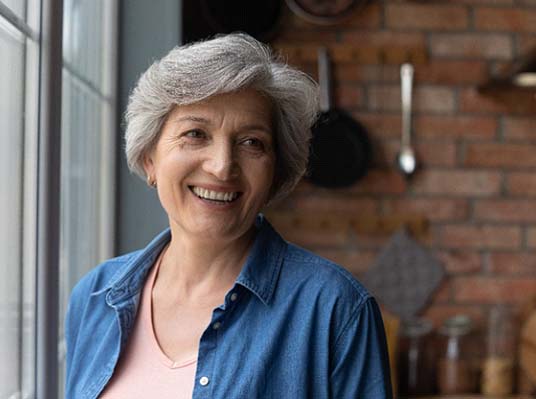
363 54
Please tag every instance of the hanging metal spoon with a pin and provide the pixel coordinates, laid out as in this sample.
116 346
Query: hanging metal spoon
406 159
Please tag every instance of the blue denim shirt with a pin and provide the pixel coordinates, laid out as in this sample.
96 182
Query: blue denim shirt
294 325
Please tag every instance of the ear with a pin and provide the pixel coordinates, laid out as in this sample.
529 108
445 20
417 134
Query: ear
148 164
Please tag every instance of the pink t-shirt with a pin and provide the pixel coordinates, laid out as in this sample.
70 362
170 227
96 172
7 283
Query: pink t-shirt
144 371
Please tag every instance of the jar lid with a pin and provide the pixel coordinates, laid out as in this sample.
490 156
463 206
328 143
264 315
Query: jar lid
416 327
457 325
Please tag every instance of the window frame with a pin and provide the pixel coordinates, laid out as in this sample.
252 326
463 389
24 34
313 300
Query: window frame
42 28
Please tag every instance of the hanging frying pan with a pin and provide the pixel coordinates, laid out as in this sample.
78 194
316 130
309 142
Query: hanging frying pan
340 148
324 12
260 19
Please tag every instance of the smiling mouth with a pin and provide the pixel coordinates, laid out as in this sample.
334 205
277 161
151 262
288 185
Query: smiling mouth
221 197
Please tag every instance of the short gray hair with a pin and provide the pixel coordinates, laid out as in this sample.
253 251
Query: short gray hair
227 63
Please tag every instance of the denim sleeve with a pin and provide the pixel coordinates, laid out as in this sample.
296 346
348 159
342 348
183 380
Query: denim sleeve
360 362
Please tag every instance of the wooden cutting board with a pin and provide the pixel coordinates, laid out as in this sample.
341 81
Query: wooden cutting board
527 351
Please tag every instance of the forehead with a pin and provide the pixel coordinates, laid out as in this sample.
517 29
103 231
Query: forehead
245 105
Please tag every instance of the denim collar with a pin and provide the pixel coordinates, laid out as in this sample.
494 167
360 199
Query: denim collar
259 274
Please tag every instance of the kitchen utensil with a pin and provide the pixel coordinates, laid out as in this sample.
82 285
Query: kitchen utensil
406 159
404 276
324 12
340 148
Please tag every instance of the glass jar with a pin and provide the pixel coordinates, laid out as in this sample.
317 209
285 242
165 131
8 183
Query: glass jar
498 367
456 374
415 360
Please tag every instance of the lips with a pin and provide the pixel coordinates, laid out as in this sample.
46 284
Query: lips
212 195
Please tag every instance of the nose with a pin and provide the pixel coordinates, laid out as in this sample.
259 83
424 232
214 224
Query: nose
220 161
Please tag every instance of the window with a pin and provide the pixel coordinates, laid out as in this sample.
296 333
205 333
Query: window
88 137
18 157
87 171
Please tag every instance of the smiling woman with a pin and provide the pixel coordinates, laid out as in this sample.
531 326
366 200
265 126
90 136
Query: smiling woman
219 305
214 165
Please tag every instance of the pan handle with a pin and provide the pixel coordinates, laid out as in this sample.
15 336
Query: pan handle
324 79
406 74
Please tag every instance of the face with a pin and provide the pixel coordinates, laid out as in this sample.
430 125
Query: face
214 165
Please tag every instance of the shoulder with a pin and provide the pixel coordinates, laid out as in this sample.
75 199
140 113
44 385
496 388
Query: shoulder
103 274
323 275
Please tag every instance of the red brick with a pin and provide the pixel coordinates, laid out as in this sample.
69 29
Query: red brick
457 182
521 183
348 97
435 209
380 181
371 241
311 36
313 239
501 102
380 125
520 211
481 237
489 290
443 294
369 17
472 101
505 19
531 237
355 261
336 201
523 129
425 98
384 38
349 72
458 262
428 153
526 43
438 313
512 263
472 46
426 16
449 127
447 72
500 155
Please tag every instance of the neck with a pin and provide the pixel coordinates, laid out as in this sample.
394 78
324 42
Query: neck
195 268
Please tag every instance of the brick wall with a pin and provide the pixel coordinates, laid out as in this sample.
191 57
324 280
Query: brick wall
477 185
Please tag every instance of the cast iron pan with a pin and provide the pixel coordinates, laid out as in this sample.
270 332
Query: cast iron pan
260 19
340 147
324 12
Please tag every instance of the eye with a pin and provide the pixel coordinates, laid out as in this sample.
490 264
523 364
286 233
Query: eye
253 142
195 134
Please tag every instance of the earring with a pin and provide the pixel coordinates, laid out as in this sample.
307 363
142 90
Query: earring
151 182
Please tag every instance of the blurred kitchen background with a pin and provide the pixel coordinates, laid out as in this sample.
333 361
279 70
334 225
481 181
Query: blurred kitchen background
450 251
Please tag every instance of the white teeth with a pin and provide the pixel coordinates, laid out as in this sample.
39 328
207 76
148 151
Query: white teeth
214 195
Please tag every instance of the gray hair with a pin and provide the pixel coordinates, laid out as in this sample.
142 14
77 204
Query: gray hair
227 63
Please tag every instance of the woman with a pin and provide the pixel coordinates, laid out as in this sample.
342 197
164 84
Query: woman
219 305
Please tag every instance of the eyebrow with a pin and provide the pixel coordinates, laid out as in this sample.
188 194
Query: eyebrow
200 119
191 118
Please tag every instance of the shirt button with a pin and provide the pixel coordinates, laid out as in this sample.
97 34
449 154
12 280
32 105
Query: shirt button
234 295
203 381
216 325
